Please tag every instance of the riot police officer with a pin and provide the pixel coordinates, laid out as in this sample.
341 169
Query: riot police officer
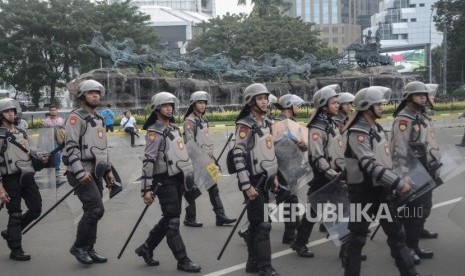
256 166
412 131
85 148
16 180
345 100
196 129
324 155
168 171
370 179
288 105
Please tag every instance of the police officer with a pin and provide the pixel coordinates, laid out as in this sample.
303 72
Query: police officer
85 147
166 169
196 129
370 179
256 167
16 180
345 100
324 152
288 105
412 131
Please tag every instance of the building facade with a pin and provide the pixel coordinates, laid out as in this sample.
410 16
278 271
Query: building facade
203 6
340 22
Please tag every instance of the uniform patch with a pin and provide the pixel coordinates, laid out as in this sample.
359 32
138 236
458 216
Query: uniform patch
339 142
180 144
403 125
416 128
152 136
243 130
386 149
188 125
269 142
315 136
100 132
361 137
72 120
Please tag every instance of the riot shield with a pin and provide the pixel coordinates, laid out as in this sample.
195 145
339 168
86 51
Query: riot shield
332 203
456 213
291 130
419 179
206 173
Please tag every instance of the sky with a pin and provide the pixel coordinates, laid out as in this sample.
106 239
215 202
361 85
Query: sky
224 6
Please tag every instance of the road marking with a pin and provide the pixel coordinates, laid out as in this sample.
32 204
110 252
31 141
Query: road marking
313 243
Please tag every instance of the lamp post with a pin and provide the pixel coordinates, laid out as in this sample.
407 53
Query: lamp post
430 60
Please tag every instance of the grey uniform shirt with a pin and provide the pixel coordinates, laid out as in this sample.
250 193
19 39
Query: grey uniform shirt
318 143
154 141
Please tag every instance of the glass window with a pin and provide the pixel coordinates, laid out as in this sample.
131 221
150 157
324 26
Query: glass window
307 10
421 5
335 40
326 12
316 12
325 30
334 17
298 7
334 30
413 20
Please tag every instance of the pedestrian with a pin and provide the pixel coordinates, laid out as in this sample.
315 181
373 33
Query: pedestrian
109 116
57 123
324 152
413 132
255 160
288 105
85 147
167 169
16 180
370 180
196 130
129 124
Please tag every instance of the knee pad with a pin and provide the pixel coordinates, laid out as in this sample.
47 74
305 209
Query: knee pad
173 227
35 213
263 231
214 191
94 215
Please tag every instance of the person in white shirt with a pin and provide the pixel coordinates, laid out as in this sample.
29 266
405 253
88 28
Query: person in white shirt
129 124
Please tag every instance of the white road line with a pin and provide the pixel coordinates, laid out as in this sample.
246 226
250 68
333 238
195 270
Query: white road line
313 243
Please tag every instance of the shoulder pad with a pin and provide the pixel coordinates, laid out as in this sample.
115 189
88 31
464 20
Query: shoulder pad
190 117
81 113
157 127
280 117
268 122
360 126
406 114
3 132
248 121
318 123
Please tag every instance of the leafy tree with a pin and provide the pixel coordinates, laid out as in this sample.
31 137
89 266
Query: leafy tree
39 39
240 35
267 7
451 14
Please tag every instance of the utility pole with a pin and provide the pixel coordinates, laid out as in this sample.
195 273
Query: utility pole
444 72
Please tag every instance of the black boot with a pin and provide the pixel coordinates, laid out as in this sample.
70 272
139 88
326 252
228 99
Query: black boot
267 271
424 254
415 258
425 234
81 255
96 257
4 234
187 265
218 208
302 250
251 266
144 252
19 255
191 214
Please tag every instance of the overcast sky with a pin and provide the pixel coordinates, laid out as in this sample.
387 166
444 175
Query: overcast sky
224 6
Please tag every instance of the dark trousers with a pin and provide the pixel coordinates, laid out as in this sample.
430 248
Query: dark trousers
109 128
304 230
414 216
90 195
358 234
132 132
258 239
18 188
169 195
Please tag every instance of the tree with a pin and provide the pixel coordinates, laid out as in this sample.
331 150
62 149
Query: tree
39 39
450 15
240 35
267 7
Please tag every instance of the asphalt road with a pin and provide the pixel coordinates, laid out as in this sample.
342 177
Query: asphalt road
49 241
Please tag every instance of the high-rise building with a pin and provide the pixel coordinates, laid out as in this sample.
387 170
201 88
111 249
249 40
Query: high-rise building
203 6
340 22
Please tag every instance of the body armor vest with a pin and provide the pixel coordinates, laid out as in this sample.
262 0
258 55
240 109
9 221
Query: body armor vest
262 155
379 145
201 135
334 147
172 155
422 140
16 155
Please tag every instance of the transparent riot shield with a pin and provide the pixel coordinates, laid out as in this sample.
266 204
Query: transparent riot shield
43 142
206 172
332 205
291 130
456 214
419 179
